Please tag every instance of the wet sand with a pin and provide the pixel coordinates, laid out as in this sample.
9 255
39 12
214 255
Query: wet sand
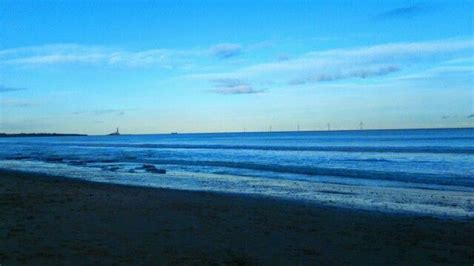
50 220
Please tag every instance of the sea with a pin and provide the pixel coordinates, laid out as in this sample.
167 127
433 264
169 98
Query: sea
413 171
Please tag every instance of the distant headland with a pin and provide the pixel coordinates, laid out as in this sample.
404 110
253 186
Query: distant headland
5 135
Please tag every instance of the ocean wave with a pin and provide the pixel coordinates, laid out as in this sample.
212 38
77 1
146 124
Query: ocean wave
427 178
362 149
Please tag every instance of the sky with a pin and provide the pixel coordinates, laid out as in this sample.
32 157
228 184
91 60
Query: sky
225 66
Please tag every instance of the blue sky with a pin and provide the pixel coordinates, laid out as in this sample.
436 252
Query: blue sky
215 66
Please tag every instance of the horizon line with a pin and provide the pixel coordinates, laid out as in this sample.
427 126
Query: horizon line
241 132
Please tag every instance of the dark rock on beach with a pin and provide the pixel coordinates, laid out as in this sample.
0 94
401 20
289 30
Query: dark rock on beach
152 169
158 171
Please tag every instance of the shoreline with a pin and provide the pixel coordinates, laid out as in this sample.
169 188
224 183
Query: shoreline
390 200
58 220
249 196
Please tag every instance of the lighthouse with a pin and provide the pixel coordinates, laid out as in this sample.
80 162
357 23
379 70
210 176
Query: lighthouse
116 133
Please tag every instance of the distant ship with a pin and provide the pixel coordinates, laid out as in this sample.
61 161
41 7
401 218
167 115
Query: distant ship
116 133
174 133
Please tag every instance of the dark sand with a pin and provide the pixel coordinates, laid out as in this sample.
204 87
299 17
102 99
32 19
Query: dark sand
47 220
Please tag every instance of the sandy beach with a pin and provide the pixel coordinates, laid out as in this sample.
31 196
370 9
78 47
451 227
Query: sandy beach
52 220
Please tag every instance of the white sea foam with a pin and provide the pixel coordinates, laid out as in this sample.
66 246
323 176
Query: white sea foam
451 202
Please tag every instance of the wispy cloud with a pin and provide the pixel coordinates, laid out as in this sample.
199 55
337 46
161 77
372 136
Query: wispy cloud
233 86
226 50
16 103
62 54
8 89
356 73
403 12
99 112
439 71
444 117
283 57
68 54
337 64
